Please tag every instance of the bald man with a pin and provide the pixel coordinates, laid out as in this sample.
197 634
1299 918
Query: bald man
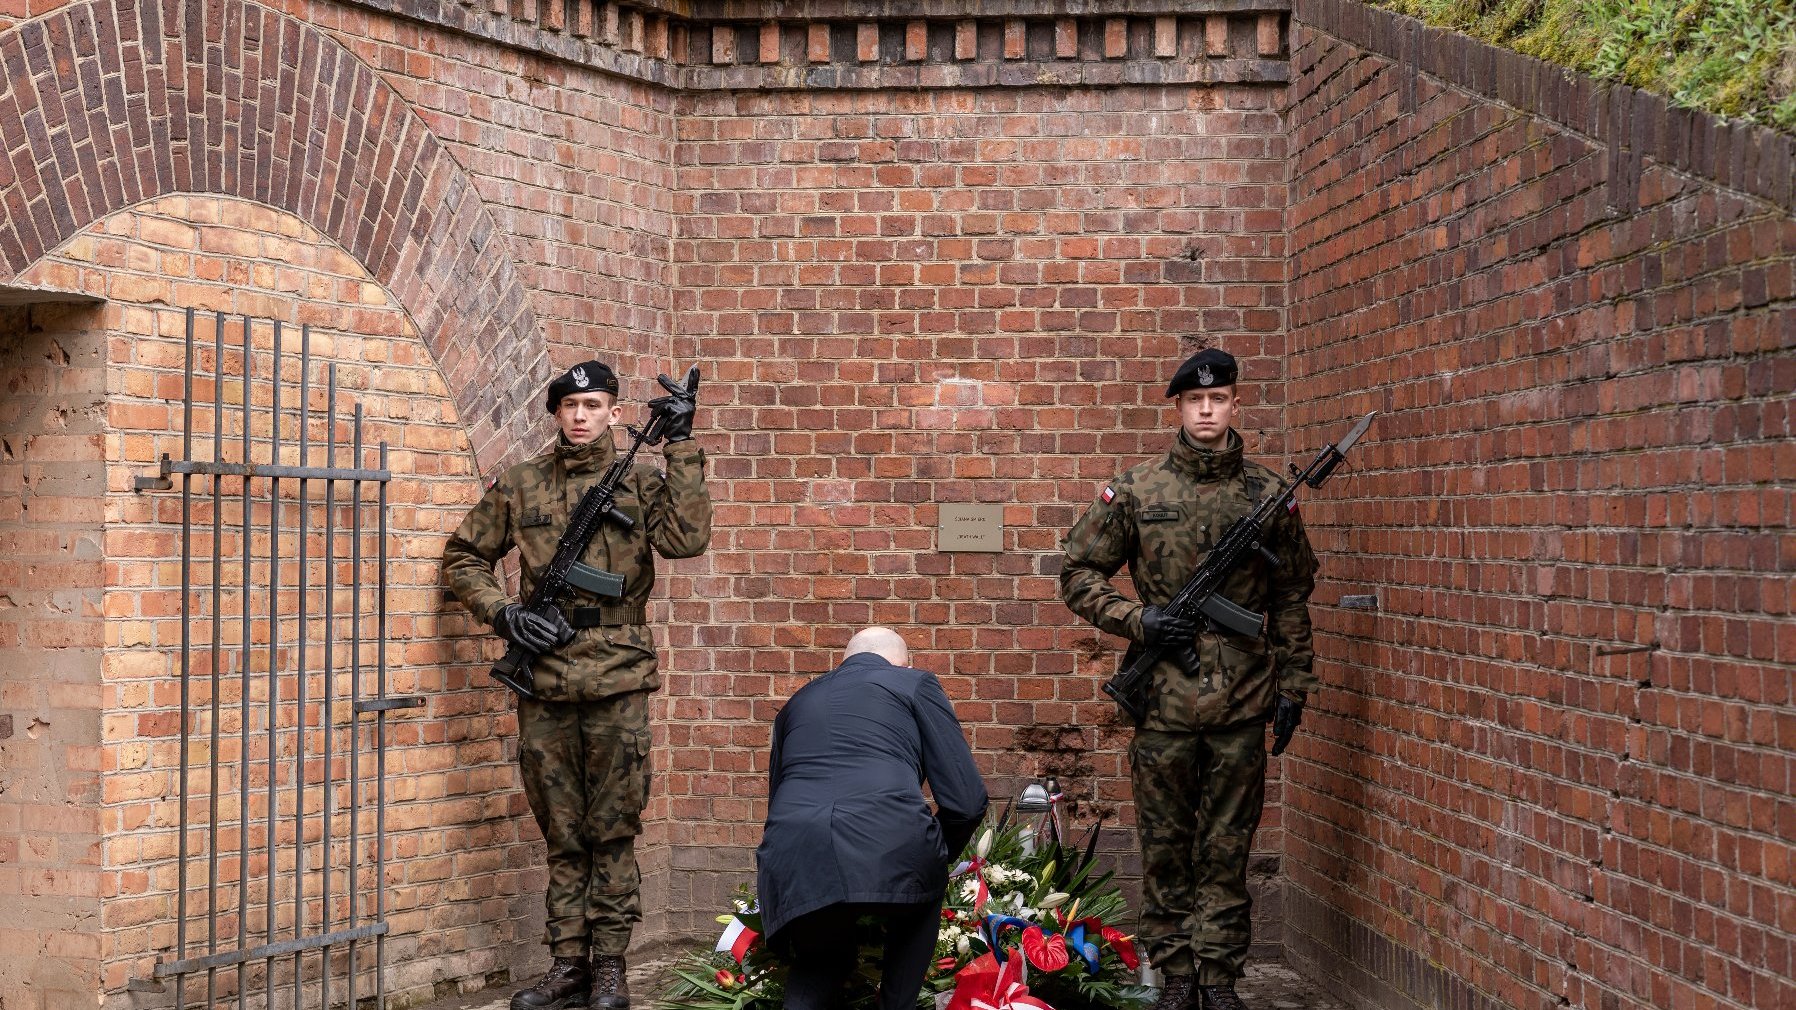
848 831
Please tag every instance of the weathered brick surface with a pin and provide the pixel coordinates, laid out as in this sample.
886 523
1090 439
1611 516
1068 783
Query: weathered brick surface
51 591
574 168
461 901
1555 764
108 105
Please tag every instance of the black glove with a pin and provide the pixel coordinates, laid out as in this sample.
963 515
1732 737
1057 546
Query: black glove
1161 628
677 408
1286 714
538 633
679 412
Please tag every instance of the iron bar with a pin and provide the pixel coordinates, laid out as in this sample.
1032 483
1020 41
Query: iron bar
380 740
271 950
389 704
355 692
270 470
244 664
274 670
299 737
217 637
186 655
330 629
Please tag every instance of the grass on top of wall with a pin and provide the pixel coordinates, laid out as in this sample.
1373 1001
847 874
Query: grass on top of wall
1735 58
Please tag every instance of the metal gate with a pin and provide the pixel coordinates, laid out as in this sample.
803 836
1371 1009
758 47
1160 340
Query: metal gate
283 689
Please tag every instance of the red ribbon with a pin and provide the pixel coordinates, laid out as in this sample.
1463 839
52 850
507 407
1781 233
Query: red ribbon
984 894
986 985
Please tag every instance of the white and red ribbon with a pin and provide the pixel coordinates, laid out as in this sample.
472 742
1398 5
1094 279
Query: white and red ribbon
1009 992
736 939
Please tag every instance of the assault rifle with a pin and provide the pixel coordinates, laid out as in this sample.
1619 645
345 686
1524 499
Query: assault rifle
597 507
1199 597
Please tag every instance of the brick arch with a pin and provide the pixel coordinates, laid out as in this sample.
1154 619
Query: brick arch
108 103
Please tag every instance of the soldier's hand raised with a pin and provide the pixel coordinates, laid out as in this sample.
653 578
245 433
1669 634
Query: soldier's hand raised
679 412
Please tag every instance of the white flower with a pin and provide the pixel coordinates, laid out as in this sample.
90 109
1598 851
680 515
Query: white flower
985 844
1055 900
963 945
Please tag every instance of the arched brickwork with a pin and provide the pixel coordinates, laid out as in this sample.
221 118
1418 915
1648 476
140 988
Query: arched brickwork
109 103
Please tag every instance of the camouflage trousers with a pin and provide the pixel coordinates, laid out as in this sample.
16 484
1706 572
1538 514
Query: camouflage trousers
1197 802
586 772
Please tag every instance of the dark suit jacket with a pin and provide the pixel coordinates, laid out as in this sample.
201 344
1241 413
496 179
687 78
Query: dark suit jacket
846 818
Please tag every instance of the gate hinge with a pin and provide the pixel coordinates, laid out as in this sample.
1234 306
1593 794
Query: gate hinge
160 482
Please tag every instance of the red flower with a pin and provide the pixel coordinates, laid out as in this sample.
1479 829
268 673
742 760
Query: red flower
724 978
1048 954
1123 947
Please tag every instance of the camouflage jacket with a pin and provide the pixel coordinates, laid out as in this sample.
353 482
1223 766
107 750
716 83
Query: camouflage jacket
1161 518
528 508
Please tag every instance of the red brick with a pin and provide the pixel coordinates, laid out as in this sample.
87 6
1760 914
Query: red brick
966 40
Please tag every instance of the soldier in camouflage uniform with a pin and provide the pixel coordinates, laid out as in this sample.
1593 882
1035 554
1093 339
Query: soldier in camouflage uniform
584 745
1199 758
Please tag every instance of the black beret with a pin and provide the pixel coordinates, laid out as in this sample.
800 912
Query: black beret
1206 369
586 377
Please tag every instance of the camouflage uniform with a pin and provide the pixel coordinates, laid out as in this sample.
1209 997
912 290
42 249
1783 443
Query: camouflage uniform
1199 758
584 746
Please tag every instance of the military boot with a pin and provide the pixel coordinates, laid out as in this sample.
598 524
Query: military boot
562 987
610 989
1175 993
1220 997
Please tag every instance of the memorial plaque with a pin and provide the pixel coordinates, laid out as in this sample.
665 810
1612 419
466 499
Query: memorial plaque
963 527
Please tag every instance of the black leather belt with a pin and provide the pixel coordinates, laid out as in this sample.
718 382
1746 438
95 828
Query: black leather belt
606 615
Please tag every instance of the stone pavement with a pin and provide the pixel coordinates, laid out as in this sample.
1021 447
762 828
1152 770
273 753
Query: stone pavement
1270 985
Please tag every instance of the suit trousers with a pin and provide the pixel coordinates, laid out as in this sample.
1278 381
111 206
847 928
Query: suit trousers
823 951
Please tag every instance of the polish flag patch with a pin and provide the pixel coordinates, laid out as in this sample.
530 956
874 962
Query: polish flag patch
1109 495
1292 507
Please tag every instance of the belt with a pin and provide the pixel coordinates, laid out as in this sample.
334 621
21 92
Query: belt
606 615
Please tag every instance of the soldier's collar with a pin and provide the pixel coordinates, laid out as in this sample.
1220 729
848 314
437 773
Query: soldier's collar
579 458
1204 464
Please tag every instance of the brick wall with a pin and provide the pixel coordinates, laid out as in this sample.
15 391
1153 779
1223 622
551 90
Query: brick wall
951 261
52 475
914 299
575 166
1554 766
464 881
